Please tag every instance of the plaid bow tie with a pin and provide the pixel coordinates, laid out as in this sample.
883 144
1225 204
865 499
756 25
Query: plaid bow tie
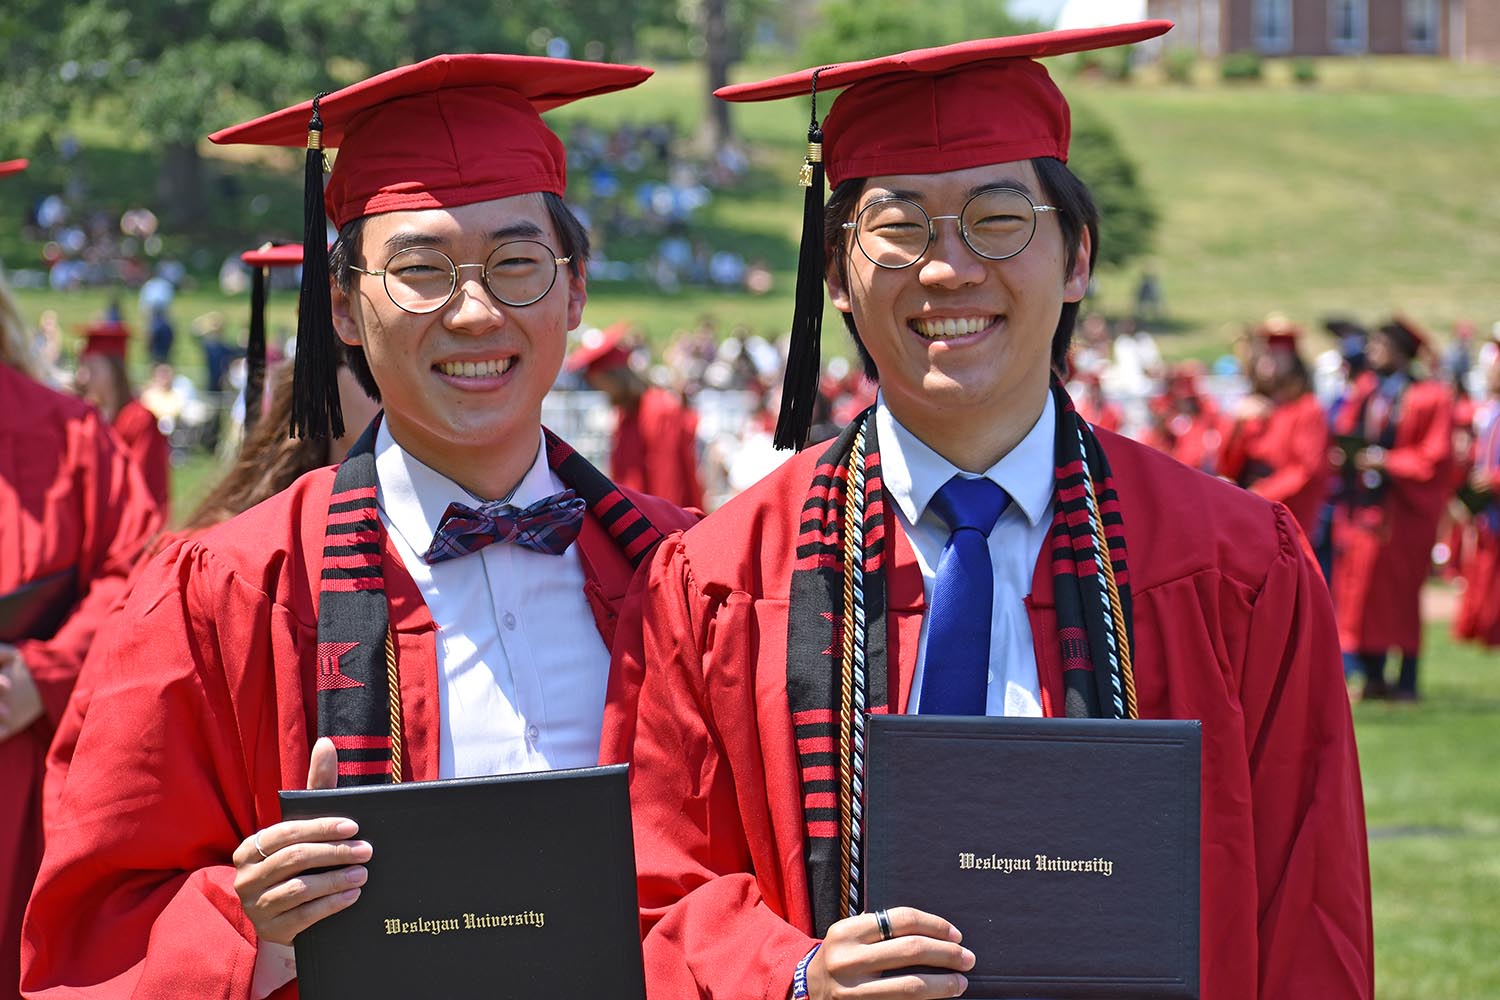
549 525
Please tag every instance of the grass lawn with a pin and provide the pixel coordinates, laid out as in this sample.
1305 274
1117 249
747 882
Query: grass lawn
1432 802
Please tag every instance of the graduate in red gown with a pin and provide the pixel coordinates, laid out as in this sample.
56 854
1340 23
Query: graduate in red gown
1101 551
655 445
102 380
1277 444
1095 407
71 502
1395 436
168 872
1478 615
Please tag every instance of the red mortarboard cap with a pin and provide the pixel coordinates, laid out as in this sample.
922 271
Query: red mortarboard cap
926 111
1278 331
601 349
274 255
948 108
13 166
448 131
265 256
106 338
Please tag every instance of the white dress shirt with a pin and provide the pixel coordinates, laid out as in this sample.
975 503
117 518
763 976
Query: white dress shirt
523 668
913 472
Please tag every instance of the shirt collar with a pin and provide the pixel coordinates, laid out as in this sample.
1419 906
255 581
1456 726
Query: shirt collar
913 472
415 496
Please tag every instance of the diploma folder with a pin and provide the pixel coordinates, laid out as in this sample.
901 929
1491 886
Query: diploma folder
1065 850
511 886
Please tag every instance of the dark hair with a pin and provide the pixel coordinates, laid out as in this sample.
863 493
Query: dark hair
570 233
269 461
1076 211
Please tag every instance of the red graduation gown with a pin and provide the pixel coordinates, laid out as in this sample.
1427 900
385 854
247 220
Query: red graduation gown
1292 443
145 442
1233 627
203 708
69 497
1383 554
1478 616
655 449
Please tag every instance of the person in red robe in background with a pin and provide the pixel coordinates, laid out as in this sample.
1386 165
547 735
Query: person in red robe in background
72 504
1478 617
1193 421
1277 444
103 381
732 652
168 872
1395 450
655 444
268 462
1095 408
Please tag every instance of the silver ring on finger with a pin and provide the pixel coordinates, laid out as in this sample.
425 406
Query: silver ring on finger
258 849
884 920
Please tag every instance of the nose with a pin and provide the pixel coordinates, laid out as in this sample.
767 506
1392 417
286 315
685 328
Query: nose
473 306
950 262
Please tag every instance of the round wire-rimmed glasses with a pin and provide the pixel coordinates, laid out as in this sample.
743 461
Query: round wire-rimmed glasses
422 280
996 224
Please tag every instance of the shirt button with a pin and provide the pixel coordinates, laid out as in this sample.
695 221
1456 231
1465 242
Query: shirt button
510 620
532 733
990 677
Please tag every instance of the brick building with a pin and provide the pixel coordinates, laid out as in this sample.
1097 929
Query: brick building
1464 30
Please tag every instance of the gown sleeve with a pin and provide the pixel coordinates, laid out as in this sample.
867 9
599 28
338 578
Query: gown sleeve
1312 863
707 928
135 897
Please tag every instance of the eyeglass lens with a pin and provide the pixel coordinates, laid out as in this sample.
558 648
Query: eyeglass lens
894 232
423 279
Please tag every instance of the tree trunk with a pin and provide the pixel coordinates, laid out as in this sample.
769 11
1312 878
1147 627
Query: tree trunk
179 186
717 56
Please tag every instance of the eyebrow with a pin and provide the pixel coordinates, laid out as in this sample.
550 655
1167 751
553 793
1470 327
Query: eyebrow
516 231
1005 182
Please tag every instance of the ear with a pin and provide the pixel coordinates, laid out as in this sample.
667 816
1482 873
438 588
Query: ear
578 294
1076 283
344 322
838 288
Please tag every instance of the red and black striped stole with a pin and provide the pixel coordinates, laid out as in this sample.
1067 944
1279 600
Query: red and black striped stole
357 671
1093 611
354 694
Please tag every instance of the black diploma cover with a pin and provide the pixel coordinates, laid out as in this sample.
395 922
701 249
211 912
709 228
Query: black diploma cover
1065 850
38 609
518 885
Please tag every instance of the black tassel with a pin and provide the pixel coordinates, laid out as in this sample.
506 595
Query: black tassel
255 350
799 386
315 394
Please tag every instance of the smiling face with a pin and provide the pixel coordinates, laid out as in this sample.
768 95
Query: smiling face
462 386
962 344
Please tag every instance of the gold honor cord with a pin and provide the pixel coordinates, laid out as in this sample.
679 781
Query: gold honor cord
393 695
1122 639
853 545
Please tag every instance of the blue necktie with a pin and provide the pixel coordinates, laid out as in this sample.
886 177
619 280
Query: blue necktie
955 676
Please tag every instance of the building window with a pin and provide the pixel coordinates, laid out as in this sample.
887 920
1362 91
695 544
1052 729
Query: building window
1346 25
1421 25
1273 26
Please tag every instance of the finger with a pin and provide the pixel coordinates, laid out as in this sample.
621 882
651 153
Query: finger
907 920
922 986
323 767
300 890
259 846
912 950
287 926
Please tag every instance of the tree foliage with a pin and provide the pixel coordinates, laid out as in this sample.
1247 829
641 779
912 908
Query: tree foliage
863 29
1127 217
